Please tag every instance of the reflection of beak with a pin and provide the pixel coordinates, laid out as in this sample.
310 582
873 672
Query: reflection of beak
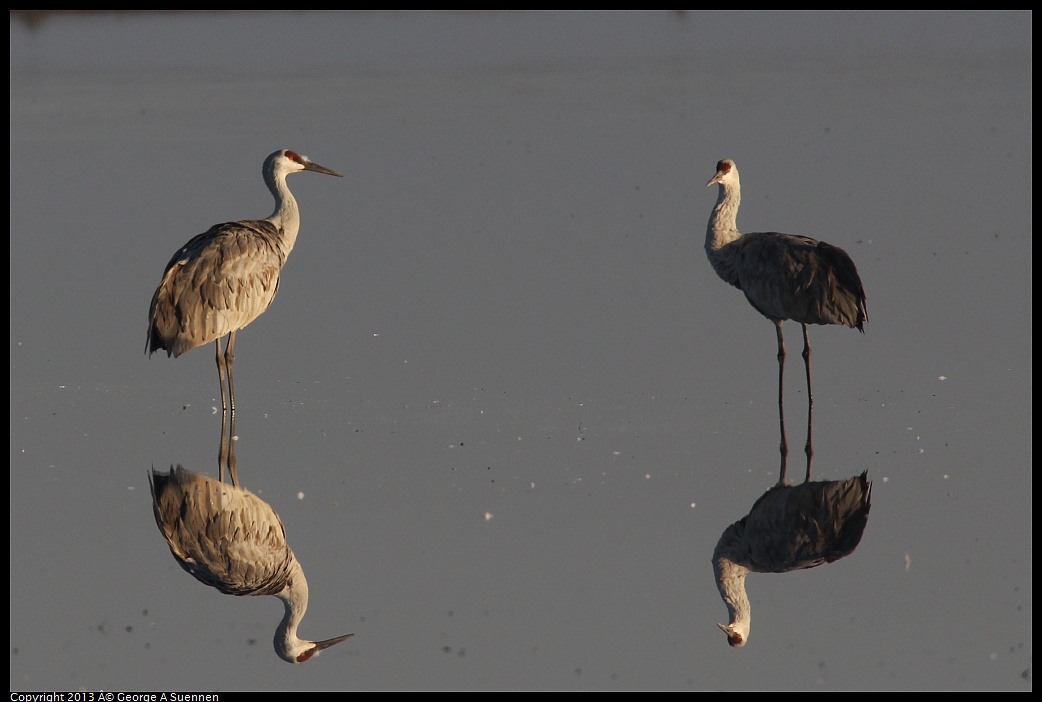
321 646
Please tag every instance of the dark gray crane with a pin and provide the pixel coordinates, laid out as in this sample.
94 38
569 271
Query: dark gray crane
783 276
790 527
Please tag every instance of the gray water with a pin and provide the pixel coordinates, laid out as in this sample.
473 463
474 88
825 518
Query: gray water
502 403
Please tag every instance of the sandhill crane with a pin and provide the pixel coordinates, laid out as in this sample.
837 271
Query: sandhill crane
784 277
230 539
225 278
788 528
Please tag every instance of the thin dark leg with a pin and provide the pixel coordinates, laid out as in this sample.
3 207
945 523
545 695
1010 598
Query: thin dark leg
809 448
222 452
781 401
220 374
226 452
232 463
229 359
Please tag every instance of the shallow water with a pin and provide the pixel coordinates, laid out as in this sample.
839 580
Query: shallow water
502 404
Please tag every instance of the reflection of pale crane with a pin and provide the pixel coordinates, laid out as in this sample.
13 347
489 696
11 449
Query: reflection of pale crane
230 539
784 277
788 528
225 278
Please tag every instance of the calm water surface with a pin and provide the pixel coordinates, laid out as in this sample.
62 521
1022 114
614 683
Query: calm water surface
502 404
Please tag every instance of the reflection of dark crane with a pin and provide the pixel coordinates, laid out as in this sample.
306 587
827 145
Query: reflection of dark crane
222 280
784 277
790 527
230 539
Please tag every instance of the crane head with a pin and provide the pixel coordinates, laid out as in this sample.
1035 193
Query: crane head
726 172
735 637
285 161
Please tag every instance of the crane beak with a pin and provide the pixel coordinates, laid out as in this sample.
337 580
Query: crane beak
321 645
714 179
309 166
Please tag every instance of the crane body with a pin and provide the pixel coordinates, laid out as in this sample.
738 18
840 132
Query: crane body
230 539
790 527
226 277
783 276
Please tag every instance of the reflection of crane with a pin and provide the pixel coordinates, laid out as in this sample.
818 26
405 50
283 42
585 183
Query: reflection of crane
788 528
230 539
222 280
784 277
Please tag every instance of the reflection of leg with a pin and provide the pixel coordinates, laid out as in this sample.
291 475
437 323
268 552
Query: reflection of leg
229 358
231 451
781 400
221 373
226 452
809 448
222 452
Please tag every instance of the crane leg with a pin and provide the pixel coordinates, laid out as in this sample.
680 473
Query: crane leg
809 448
220 375
229 359
781 401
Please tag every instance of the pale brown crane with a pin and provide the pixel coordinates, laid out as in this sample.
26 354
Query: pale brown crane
784 276
230 539
225 278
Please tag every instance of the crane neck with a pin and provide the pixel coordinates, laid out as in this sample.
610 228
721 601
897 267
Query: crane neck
722 231
730 581
286 216
295 599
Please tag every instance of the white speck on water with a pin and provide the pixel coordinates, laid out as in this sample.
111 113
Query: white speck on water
942 377
488 516
300 495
